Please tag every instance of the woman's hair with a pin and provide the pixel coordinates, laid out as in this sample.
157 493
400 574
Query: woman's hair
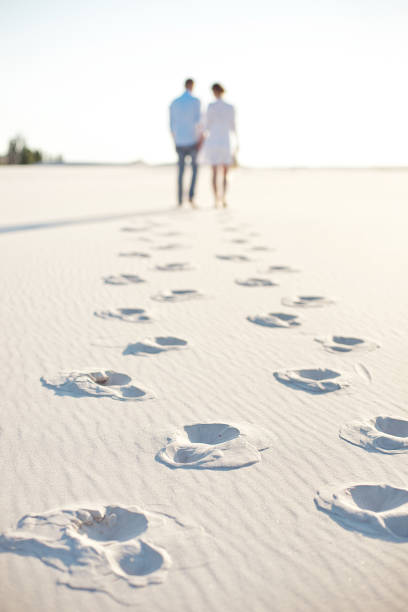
218 89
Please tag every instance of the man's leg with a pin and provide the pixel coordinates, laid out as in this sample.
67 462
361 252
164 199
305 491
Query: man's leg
194 170
181 164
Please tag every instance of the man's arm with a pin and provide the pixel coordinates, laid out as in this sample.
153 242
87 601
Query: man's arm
172 120
199 124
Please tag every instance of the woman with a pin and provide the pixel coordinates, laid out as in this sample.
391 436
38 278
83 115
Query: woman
219 124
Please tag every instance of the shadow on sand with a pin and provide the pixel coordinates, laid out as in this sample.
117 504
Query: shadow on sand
23 227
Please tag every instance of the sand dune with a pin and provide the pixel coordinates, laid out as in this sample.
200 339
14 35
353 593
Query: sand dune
203 497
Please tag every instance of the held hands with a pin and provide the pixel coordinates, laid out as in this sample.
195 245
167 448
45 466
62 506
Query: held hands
200 142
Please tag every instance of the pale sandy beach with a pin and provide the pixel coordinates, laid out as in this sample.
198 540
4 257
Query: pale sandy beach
191 400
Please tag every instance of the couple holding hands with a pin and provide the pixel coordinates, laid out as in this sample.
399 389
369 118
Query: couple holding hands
203 139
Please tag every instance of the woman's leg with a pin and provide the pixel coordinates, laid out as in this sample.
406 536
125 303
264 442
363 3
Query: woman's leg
214 184
224 185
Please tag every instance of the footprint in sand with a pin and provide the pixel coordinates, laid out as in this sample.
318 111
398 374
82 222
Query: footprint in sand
105 549
283 269
160 344
307 301
374 509
239 241
233 257
346 344
385 434
134 254
177 295
130 315
312 380
123 279
170 234
134 228
174 267
96 383
170 247
212 446
255 282
144 239
276 319
260 248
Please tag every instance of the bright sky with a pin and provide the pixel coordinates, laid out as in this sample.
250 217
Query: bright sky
314 82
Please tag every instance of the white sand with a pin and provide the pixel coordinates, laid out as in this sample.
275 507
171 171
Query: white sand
140 379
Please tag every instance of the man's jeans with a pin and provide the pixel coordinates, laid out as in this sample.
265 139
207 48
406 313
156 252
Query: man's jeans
183 152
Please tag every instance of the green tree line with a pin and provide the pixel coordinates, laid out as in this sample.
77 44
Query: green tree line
19 153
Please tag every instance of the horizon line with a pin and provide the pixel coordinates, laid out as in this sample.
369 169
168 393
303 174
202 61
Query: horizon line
242 167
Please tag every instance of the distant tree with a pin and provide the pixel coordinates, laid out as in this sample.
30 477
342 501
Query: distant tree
19 153
37 157
14 149
26 156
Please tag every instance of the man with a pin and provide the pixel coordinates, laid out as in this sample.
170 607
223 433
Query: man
185 117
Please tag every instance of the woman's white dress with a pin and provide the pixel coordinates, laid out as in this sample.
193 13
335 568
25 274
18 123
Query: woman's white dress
219 125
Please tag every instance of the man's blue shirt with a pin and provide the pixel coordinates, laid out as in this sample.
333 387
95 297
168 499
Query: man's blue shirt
185 117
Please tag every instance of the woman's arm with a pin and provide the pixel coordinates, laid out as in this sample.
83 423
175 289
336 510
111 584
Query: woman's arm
233 128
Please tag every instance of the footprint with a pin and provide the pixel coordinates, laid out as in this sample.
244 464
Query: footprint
276 319
346 344
134 254
260 248
170 341
134 228
144 239
239 241
170 234
313 380
177 295
374 509
385 434
156 345
96 383
255 282
233 257
307 301
230 229
285 269
170 247
109 549
123 279
210 446
174 267
130 315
